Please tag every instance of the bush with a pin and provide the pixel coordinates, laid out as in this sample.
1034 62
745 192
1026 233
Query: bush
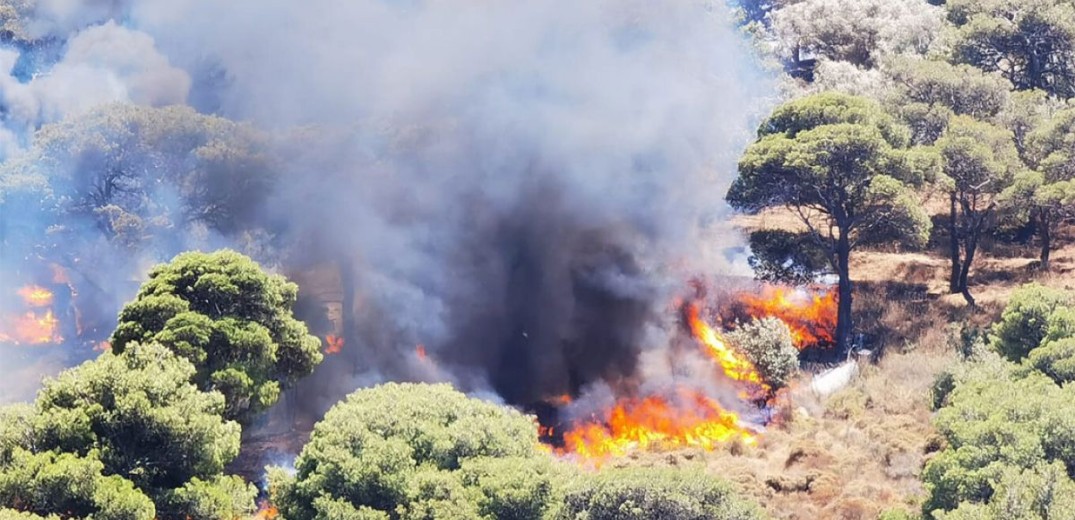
1025 320
767 343
993 425
69 485
419 451
230 319
1055 359
143 416
647 493
220 498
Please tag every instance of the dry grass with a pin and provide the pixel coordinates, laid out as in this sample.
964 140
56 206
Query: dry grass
860 451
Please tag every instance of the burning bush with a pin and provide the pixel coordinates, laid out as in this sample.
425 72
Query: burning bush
223 313
646 493
768 344
417 451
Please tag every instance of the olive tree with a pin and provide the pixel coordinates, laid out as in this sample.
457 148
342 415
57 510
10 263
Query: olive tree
228 317
418 451
841 164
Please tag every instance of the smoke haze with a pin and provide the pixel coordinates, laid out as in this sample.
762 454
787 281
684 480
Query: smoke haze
521 188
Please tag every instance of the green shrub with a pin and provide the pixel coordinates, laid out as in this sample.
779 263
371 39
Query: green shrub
650 493
418 451
1055 359
1025 320
767 343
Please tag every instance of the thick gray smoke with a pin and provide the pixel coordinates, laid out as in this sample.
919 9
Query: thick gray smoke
519 187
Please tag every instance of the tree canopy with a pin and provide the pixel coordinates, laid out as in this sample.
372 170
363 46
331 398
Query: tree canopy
418 451
234 322
842 165
1029 42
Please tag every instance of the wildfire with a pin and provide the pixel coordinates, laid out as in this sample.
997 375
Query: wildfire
810 317
687 418
655 422
420 351
35 296
334 344
31 328
266 511
733 364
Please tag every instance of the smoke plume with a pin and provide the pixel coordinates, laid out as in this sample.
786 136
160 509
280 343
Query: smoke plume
521 188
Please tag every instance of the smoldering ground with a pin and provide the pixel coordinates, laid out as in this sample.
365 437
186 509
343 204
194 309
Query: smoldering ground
518 187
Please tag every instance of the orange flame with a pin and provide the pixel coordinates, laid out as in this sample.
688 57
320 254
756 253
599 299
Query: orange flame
690 418
657 423
420 351
266 511
35 296
334 344
734 365
810 317
32 329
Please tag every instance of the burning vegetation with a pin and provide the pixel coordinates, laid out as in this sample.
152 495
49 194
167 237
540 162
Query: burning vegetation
690 412
36 324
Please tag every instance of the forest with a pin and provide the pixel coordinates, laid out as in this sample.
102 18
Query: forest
403 260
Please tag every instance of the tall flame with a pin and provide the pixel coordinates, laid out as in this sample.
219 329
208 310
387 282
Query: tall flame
811 317
688 417
734 364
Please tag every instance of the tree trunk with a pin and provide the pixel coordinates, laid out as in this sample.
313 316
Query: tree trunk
844 326
964 274
1046 238
953 243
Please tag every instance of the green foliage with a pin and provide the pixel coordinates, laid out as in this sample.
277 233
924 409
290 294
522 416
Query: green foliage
229 318
220 498
112 164
767 343
420 451
840 163
992 427
1029 42
142 414
1055 359
11 514
16 430
785 257
1043 492
929 93
1025 320
815 151
69 485
648 493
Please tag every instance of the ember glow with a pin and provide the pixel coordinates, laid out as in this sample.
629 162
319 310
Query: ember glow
333 344
685 417
810 315
266 511
31 328
35 296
